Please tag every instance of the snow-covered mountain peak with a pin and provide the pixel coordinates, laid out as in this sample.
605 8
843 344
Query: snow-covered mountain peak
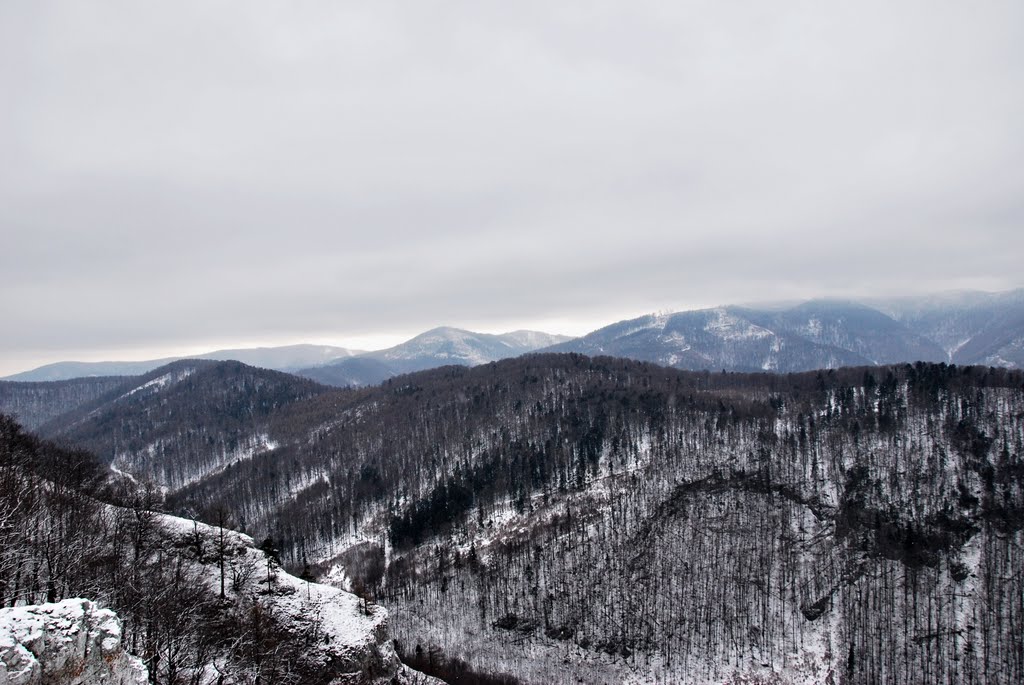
450 345
445 343
439 335
528 340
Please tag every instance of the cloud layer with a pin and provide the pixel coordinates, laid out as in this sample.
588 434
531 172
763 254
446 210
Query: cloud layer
191 172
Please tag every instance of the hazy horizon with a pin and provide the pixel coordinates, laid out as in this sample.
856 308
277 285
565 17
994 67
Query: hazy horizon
373 342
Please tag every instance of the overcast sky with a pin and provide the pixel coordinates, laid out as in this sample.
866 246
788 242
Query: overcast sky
181 176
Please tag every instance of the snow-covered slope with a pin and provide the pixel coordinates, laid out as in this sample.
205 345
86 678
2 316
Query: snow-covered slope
199 604
73 642
602 518
444 345
236 402
527 341
851 326
813 335
720 338
971 327
437 347
356 645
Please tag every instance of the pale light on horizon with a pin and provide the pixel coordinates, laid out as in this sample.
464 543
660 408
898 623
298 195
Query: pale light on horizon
373 341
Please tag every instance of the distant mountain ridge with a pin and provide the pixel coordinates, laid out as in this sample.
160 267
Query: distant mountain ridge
964 328
330 365
971 327
980 328
441 346
232 402
283 358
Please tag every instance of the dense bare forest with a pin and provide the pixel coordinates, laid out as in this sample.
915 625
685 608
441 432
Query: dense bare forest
182 421
199 605
556 516
866 532
34 404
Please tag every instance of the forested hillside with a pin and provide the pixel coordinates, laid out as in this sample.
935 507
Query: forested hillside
184 420
554 515
199 605
37 403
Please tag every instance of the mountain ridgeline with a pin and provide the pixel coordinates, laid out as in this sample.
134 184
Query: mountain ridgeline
326 364
963 328
437 347
984 329
182 421
555 517
973 327
283 358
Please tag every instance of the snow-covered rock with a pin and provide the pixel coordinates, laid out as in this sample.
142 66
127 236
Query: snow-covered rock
68 643
356 645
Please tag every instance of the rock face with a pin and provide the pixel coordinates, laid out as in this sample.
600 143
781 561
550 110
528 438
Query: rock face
68 643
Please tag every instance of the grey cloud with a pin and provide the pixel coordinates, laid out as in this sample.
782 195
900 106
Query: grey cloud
193 171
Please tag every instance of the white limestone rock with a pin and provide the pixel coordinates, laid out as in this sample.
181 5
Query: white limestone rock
68 643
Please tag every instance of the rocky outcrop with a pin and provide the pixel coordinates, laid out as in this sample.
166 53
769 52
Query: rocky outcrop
68 643
354 645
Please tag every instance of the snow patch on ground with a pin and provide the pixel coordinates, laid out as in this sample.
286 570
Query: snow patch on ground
160 382
813 327
647 323
679 341
996 360
729 327
950 351
124 474
247 449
